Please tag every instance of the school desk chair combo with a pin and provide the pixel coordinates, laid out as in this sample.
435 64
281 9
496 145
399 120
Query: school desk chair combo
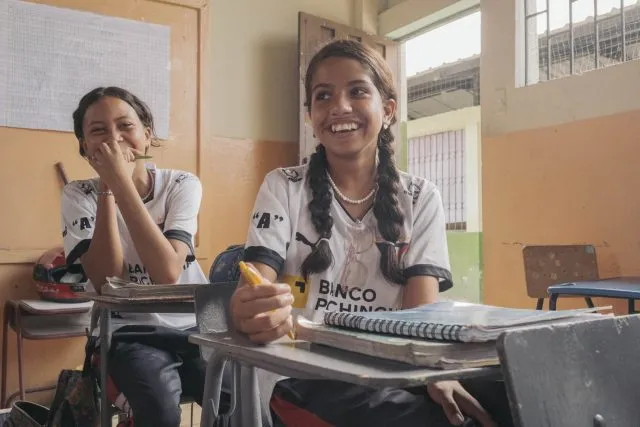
556 271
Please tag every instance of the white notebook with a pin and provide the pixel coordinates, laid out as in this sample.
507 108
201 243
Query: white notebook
452 320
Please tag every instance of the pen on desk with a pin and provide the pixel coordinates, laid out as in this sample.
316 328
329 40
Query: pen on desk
255 279
138 157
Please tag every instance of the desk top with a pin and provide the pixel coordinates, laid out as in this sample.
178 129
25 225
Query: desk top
163 304
38 319
303 359
618 287
36 306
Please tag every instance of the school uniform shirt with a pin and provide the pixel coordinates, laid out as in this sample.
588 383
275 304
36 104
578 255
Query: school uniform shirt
173 205
281 235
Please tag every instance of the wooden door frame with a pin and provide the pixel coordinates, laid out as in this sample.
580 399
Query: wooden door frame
342 31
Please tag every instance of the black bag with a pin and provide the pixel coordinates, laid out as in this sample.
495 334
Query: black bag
26 414
76 402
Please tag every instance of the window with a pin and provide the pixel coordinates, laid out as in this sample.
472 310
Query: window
443 67
567 37
439 158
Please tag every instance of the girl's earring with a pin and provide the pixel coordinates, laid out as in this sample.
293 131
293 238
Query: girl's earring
385 126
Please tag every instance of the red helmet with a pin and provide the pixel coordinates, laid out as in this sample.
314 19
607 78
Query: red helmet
48 273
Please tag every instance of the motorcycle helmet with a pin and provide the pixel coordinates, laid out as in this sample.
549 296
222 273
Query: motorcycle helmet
57 282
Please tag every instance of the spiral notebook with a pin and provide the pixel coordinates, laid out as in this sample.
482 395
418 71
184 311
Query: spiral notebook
417 352
453 320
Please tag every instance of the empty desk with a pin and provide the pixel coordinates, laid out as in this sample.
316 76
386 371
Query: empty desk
615 287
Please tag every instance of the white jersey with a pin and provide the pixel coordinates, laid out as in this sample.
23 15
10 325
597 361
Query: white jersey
173 205
281 235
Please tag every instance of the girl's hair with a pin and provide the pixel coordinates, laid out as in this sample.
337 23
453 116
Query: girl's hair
141 109
386 206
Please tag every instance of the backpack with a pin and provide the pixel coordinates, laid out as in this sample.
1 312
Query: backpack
76 401
225 265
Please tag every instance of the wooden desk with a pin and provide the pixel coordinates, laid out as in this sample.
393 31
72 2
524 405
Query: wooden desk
39 320
107 304
304 360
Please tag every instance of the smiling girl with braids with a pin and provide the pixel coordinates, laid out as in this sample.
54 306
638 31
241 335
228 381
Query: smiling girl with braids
350 232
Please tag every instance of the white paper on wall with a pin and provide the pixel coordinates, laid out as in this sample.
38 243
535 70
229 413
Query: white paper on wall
50 57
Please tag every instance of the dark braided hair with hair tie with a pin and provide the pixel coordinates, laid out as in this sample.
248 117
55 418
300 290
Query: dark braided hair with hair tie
386 206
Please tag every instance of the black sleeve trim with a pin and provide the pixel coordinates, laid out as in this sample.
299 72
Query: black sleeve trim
81 248
445 281
185 238
265 256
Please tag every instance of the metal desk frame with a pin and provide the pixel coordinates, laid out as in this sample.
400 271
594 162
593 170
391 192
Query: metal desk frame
106 305
16 314
302 359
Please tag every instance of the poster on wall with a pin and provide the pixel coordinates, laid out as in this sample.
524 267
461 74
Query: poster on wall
51 56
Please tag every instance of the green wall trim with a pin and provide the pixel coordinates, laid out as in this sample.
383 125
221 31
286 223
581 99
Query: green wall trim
465 254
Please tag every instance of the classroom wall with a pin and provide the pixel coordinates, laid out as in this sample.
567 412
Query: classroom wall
254 120
255 100
465 256
559 163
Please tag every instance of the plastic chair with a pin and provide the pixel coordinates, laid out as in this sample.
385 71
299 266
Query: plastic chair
546 265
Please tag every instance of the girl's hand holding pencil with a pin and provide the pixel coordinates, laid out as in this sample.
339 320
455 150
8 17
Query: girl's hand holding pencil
262 309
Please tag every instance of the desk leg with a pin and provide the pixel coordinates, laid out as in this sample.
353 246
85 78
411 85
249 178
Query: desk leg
250 406
105 342
20 353
632 306
5 350
211 394
553 299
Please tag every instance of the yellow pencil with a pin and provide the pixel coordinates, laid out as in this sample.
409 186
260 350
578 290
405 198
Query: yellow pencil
255 279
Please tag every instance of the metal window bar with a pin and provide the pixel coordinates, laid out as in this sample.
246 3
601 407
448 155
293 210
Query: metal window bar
624 32
549 40
527 17
596 33
439 158
571 39
609 44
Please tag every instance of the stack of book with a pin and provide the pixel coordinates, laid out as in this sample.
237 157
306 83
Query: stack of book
444 335
116 287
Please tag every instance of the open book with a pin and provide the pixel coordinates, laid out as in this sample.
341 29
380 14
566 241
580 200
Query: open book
116 287
452 320
418 352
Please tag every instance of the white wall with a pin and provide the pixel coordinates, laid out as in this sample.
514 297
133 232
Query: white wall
469 120
255 63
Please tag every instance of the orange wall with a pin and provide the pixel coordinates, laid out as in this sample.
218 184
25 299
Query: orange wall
562 184
234 172
254 122
559 161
